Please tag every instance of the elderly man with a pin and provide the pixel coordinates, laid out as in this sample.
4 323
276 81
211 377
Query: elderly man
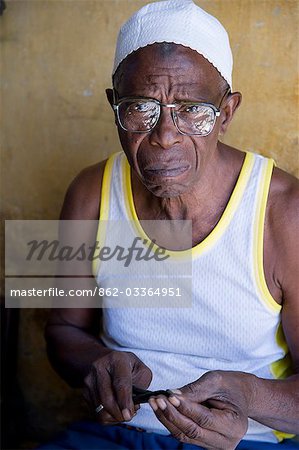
233 355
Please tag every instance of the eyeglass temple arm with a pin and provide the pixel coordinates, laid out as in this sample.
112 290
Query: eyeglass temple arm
227 91
115 96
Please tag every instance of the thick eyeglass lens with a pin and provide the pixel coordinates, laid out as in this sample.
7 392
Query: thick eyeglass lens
138 115
194 119
142 116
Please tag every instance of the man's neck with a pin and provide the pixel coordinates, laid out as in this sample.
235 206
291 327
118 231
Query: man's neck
204 203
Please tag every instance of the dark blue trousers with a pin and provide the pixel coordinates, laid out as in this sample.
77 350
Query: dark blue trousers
92 436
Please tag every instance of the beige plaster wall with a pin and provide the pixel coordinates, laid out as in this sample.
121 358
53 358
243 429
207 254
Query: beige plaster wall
56 59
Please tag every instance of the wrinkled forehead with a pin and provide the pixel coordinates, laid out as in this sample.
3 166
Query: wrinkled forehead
167 63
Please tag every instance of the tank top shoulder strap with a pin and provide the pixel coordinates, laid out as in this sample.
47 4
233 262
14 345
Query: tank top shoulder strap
111 181
262 193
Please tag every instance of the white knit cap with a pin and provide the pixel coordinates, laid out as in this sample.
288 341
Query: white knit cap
181 22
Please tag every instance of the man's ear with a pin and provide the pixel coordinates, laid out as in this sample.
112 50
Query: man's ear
232 103
109 94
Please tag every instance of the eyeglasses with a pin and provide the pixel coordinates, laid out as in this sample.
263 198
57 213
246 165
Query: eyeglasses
141 115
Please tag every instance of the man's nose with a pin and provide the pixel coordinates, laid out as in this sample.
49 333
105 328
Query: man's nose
165 133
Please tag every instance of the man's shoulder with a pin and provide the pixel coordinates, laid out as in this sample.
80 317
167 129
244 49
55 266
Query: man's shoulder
280 238
82 199
283 201
282 224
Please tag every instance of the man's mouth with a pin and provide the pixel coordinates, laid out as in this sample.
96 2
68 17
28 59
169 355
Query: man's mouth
168 171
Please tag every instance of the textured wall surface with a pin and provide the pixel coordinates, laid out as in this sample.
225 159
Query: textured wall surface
56 59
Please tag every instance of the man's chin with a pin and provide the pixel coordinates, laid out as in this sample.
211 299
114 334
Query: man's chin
166 191
167 183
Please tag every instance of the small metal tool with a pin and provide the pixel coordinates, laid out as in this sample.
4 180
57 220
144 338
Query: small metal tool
143 395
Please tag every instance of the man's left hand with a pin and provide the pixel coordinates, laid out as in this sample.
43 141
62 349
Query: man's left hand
193 423
211 412
237 389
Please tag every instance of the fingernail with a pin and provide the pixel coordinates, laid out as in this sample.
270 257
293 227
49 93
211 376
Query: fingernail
175 391
174 400
161 403
153 404
126 414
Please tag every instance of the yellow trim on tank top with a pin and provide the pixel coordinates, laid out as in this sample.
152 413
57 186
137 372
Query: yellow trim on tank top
281 435
104 209
282 368
260 279
220 227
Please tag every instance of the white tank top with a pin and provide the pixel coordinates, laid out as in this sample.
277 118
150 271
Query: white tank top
234 323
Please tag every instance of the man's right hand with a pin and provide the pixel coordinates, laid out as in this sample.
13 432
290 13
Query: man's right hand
109 383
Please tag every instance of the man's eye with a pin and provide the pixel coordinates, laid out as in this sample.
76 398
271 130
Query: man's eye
193 109
142 106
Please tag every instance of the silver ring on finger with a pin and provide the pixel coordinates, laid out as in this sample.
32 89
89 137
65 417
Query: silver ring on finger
99 409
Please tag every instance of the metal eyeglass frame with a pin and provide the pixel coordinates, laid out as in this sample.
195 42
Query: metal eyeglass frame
117 104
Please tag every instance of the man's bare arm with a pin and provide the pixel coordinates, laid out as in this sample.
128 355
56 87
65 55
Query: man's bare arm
72 335
276 402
